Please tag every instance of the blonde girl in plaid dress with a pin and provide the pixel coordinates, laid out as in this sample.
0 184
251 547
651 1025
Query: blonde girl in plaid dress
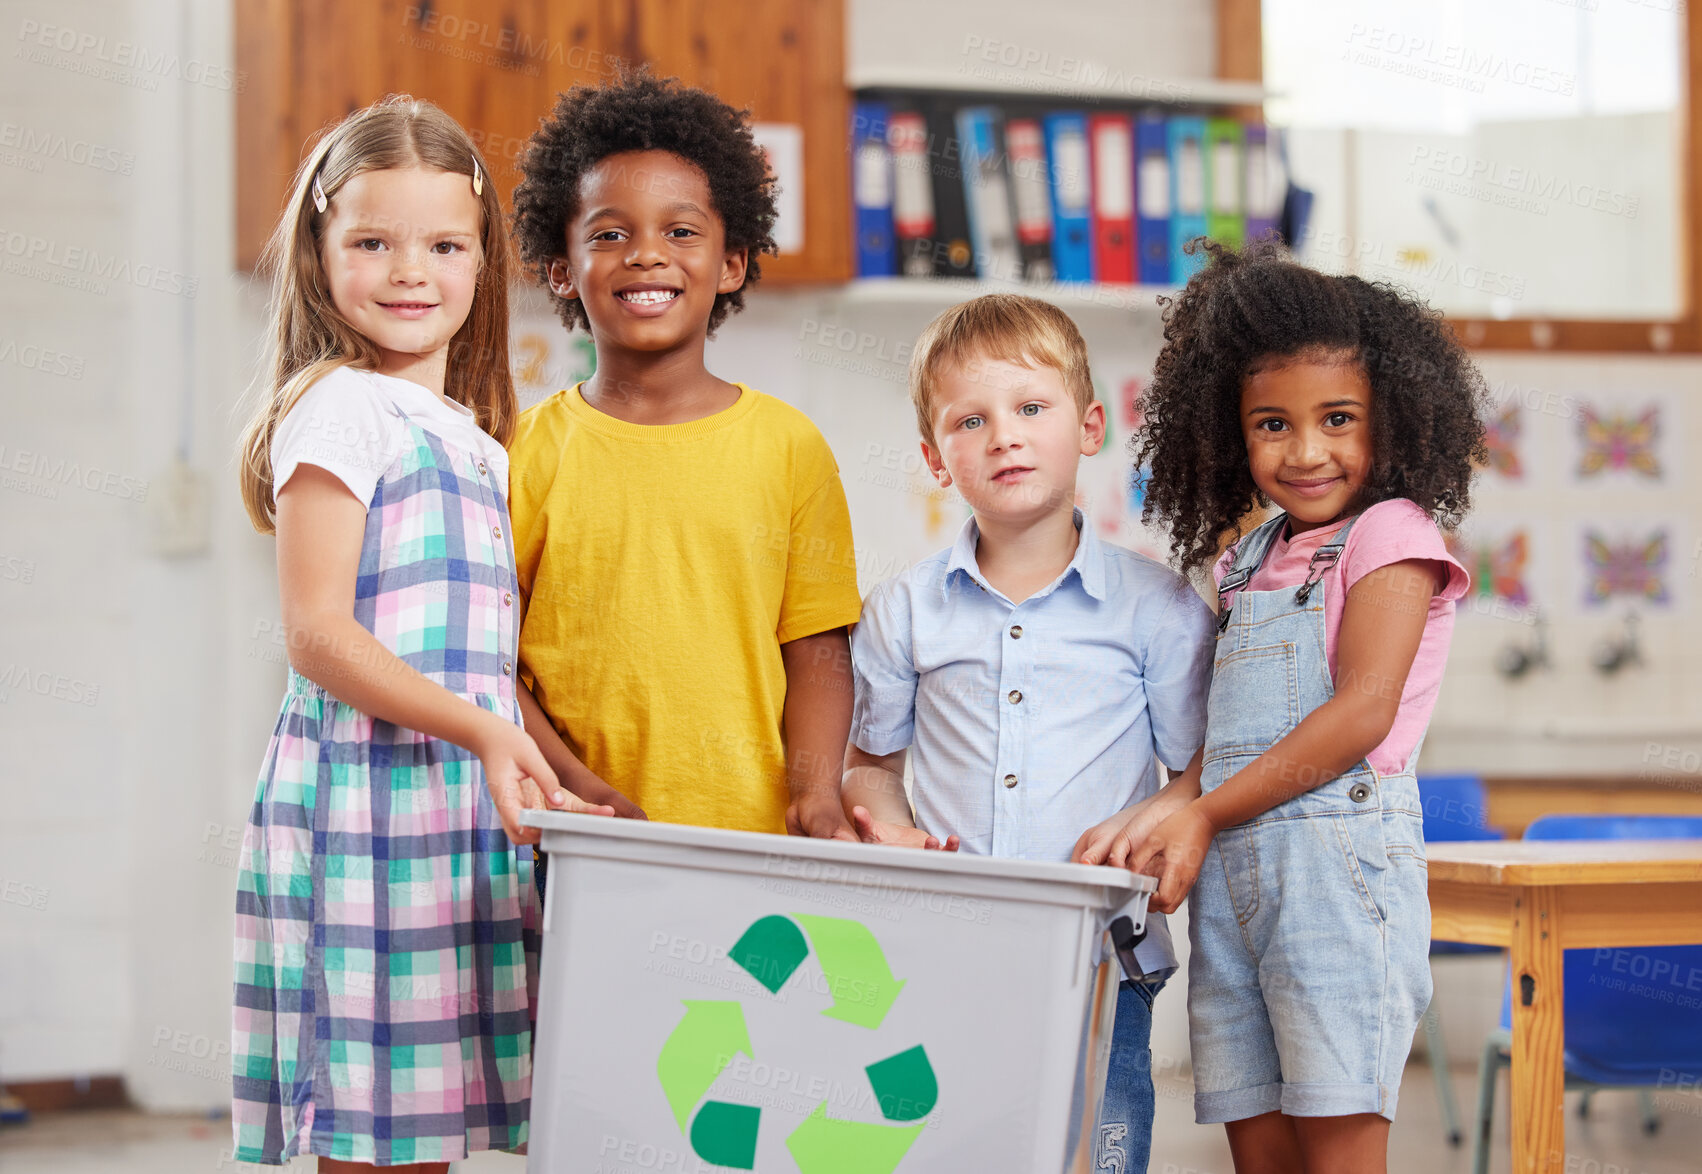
387 910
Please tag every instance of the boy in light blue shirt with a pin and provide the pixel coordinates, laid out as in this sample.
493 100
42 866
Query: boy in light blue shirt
1039 674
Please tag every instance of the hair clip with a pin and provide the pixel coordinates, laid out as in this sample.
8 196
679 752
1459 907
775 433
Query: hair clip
319 200
478 180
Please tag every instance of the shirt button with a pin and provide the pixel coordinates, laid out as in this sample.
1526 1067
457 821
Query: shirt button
497 531
1010 781
1015 695
508 599
1016 631
507 668
482 469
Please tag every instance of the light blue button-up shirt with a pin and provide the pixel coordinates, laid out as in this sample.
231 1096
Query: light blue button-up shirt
1030 722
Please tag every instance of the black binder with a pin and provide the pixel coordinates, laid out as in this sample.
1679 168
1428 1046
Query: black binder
953 254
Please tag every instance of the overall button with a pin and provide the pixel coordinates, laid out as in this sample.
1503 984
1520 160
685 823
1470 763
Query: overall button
1016 631
1015 696
1010 781
1359 792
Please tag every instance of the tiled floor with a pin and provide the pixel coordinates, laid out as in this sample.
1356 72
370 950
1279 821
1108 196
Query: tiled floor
1611 1141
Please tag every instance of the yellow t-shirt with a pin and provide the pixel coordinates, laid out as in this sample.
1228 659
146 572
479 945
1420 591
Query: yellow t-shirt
663 567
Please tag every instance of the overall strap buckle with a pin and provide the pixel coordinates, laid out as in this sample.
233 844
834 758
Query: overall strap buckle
1245 558
1321 561
1232 583
1324 559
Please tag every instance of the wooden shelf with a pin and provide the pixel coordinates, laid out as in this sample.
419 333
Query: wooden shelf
941 292
1013 82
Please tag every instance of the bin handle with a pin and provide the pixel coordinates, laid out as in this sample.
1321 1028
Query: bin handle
1124 939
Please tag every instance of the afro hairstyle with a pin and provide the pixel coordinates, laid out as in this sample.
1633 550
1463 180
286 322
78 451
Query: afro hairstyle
638 111
1257 308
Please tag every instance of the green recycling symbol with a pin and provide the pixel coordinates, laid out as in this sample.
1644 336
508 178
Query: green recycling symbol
712 1032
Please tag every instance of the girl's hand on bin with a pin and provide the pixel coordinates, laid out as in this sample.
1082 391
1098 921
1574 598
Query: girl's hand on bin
519 779
1111 840
879 831
1114 840
1174 853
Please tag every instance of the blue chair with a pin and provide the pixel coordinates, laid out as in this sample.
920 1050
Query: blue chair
1617 1034
1454 807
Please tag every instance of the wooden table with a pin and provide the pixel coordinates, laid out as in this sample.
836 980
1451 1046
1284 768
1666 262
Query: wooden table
1538 898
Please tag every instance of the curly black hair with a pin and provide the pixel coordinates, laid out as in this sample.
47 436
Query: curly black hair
638 111
1248 309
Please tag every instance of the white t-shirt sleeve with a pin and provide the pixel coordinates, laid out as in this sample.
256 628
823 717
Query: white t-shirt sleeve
344 425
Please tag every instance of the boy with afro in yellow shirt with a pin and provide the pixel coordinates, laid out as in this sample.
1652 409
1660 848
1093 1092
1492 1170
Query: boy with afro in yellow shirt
683 542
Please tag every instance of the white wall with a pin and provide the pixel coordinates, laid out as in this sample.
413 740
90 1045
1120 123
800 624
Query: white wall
118 810
122 808
60 931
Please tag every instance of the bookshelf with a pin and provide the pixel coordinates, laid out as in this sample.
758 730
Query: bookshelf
955 126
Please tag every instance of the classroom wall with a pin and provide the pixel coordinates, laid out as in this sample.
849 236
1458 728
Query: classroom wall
1571 717
135 696
141 685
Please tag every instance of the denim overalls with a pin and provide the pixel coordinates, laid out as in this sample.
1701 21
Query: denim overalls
1310 923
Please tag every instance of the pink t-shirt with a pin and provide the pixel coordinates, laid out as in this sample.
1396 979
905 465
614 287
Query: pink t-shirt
1389 532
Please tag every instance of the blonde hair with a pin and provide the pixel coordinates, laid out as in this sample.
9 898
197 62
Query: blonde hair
310 338
1011 327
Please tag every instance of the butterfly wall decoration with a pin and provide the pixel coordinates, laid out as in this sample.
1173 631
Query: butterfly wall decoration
1501 439
1499 569
1631 568
1612 442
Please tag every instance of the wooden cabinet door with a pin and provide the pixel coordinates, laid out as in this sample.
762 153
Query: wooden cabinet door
496 66
312 62
486 62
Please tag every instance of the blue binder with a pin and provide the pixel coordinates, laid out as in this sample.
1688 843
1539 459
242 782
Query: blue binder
987 194
871 191
1152 200
1188 195
1072 192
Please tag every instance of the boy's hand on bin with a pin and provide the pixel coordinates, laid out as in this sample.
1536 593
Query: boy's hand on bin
879 831
596 793
573 775
1174 853
625 808
819 816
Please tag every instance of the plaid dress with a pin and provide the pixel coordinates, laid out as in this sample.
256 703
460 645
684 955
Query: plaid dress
386 929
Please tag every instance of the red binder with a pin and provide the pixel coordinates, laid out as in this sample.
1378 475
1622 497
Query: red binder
1111 138
913 192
